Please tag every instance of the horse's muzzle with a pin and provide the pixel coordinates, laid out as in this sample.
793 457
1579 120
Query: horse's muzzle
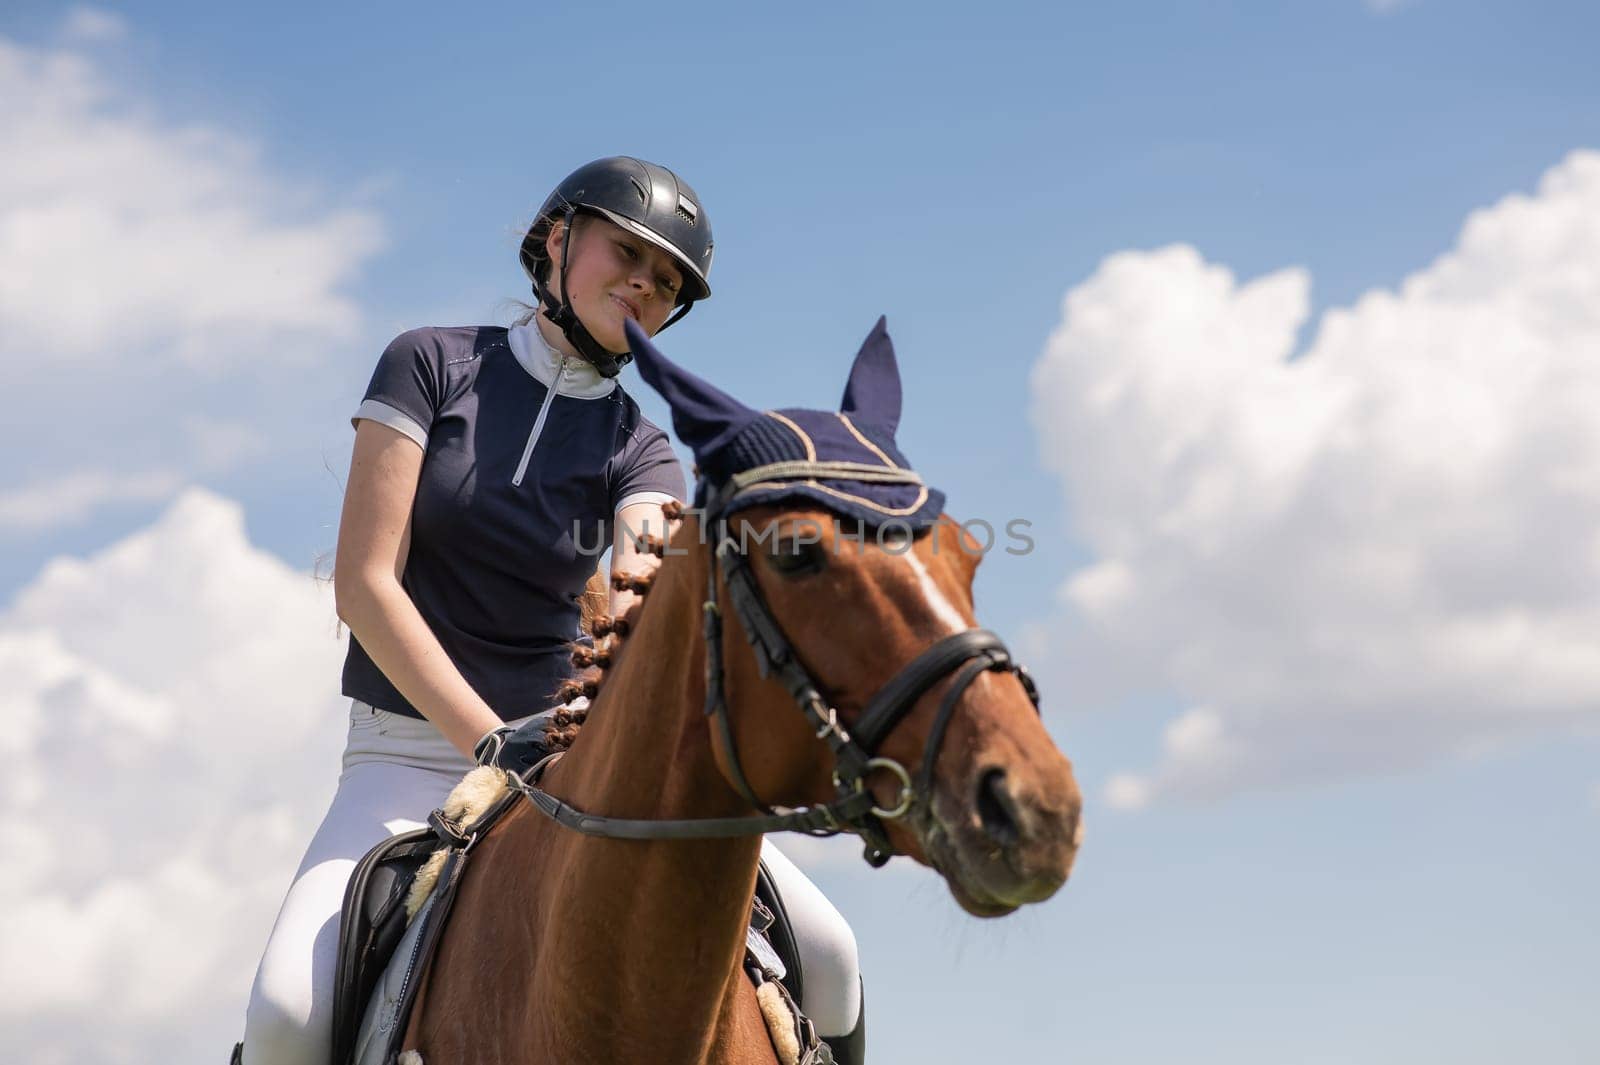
1004 841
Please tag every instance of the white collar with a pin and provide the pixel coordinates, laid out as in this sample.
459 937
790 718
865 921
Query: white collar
579 378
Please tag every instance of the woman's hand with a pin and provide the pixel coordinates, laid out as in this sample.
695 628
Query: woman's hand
515 748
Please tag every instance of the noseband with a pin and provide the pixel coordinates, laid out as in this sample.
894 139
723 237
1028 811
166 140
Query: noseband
854 809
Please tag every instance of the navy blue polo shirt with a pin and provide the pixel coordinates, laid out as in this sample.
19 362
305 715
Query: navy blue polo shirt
527 457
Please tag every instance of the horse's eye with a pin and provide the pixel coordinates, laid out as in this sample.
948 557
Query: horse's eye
797 558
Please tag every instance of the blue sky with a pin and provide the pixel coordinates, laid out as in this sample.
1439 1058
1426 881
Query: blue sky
961 170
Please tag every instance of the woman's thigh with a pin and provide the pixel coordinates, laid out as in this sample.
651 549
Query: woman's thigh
826 944
394 774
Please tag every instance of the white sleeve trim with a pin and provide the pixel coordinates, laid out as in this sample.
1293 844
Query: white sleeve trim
375 410
645 497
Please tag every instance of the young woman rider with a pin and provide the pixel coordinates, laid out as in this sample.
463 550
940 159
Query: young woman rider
479 452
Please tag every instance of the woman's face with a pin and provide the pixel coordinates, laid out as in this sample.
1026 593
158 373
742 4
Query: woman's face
614 276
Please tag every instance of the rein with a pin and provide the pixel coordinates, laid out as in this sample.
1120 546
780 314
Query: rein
854 809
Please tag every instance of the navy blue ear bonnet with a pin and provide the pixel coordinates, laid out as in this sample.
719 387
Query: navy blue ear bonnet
844 461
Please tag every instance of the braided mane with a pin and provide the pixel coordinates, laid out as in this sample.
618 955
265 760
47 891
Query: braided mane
608 633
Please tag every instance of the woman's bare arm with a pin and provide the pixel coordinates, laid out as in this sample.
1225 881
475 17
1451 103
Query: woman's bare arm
639 519
374 539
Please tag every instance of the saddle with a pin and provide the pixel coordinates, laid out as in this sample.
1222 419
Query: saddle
400 897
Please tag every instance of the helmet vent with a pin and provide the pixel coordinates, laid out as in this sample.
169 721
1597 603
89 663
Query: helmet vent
687 210
644 195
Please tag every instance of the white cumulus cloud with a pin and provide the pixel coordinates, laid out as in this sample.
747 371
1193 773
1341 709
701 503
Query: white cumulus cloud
172 735
1380 551
121 228
162 284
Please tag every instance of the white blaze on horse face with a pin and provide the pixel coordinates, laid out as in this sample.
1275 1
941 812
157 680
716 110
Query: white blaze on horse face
942 607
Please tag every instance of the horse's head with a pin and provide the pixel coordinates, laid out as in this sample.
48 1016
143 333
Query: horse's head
845 655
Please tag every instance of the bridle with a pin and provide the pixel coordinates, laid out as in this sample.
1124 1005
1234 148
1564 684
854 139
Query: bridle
854 809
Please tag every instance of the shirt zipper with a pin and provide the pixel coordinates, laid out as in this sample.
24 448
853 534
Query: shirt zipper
538 424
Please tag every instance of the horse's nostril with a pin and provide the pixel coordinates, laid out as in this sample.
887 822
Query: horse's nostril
996 808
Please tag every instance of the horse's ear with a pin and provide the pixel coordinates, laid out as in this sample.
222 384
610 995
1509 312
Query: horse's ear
705 417
873 391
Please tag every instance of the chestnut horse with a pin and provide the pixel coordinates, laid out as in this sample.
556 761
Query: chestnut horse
568 947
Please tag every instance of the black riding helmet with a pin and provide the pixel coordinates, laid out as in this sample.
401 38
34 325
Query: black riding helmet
643 198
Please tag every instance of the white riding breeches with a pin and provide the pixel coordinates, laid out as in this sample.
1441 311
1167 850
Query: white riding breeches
395 770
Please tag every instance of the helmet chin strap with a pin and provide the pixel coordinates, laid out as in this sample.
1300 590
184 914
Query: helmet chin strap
566 319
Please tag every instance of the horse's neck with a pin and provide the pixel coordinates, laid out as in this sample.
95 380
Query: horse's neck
663 922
